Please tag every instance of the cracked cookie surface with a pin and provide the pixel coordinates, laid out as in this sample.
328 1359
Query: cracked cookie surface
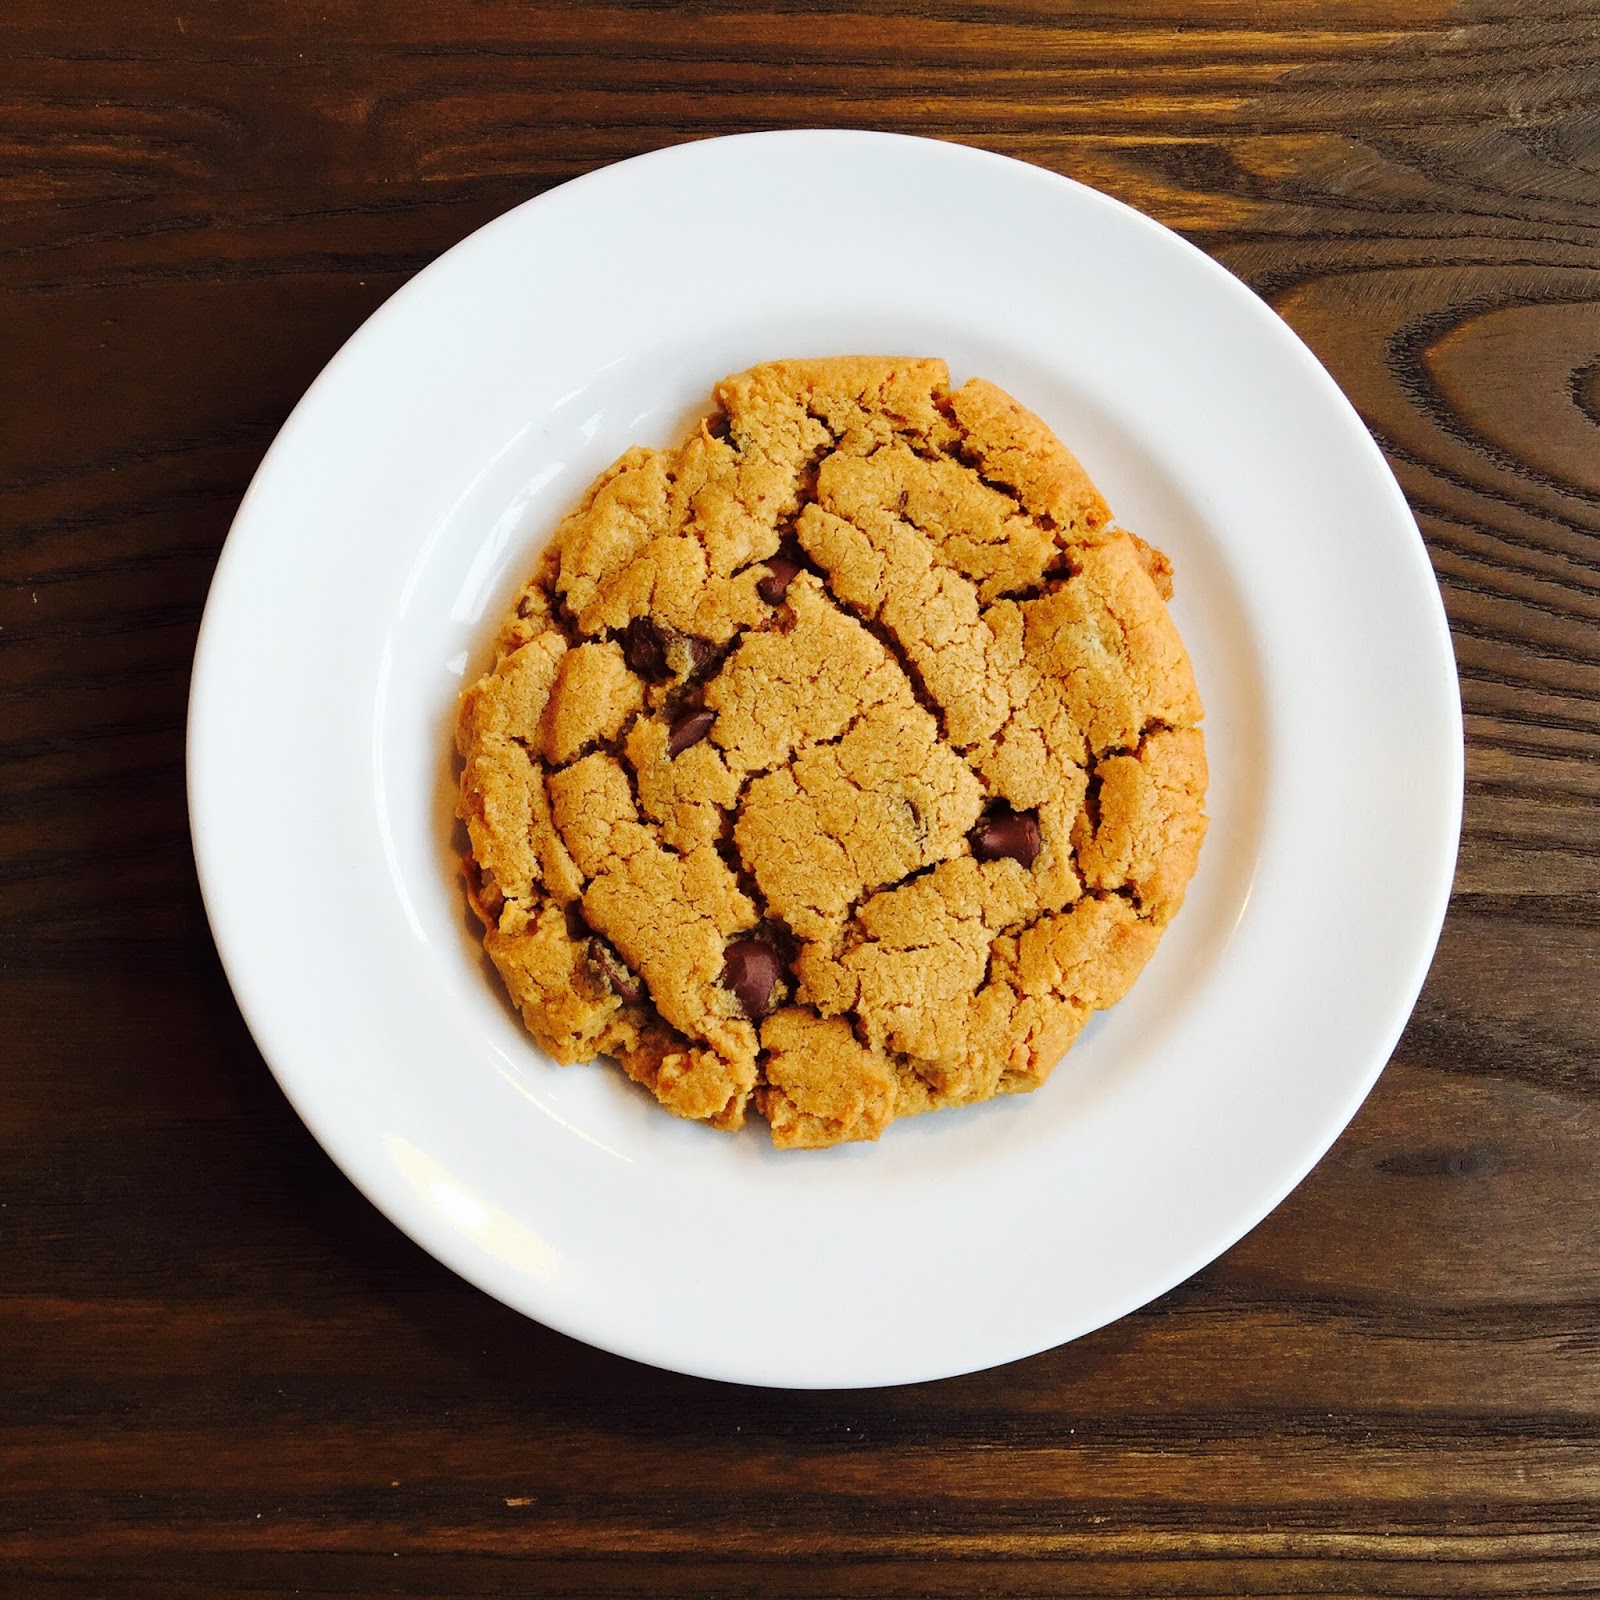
839 762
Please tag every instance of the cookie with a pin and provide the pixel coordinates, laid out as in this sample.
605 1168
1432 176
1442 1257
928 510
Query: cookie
838 763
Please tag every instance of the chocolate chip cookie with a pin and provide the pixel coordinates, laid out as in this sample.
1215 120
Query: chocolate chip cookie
839 762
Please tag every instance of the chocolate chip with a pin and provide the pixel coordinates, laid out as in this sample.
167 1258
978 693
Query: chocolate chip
644 648
691 652
1008 833
751 970
688 729
720 428
919 825
781 570
656 651
613 969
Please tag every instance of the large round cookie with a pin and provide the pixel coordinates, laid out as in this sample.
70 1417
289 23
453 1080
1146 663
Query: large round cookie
842 760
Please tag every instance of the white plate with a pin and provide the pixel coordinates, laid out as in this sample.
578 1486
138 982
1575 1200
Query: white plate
402 505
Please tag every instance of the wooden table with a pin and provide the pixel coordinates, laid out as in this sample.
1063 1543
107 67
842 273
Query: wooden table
223 1374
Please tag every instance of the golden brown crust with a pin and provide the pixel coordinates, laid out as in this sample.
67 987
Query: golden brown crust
853 708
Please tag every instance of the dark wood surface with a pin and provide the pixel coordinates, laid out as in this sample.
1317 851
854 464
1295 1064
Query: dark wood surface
223 1374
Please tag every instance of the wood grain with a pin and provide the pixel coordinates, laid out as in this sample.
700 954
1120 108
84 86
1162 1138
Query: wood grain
222 1374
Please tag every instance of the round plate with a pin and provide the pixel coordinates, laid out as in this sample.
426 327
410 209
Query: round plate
403 504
